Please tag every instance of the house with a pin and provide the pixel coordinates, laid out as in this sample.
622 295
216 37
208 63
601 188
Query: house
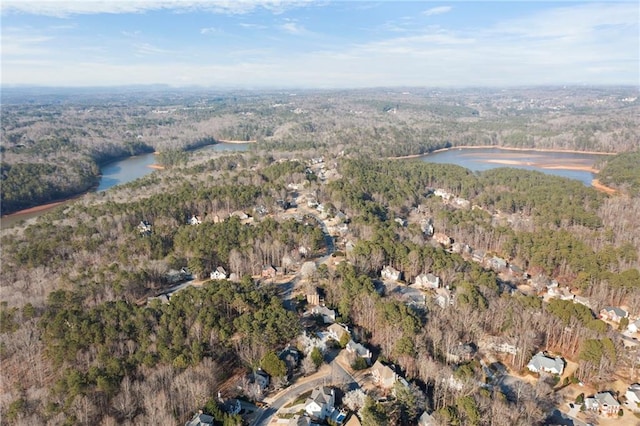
321 403
261 378
200 419
239 214
144 227
400 221
353 421
231 406
461 203
291 357
303 251
195 220
337 332
634 327
268 271
443 239
383 375
427 281
604 403
460 352
390 273
478 256
359 350
497 263
540 362
633 396
443 297
174 276
328 315
439 192
218 274
497 344
426 419
613 313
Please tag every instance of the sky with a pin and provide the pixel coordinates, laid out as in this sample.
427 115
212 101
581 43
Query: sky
319 43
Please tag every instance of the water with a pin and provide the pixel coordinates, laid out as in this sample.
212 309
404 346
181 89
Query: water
579 166
133 168
117 173
126 170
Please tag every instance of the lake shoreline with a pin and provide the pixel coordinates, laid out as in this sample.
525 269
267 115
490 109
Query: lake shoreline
504 148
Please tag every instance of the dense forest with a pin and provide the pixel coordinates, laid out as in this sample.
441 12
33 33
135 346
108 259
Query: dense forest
623 172
70 137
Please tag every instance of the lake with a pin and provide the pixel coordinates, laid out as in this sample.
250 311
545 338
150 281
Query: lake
120 172
132 168
578 166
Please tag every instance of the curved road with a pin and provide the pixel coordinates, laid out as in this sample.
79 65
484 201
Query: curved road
335 374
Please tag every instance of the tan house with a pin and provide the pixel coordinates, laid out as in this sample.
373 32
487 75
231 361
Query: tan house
383 375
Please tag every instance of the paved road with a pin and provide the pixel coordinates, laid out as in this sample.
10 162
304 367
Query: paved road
333 374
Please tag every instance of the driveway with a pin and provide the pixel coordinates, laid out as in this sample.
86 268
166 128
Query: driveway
329 374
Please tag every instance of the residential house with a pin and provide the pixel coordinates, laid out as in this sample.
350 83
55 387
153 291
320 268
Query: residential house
174 276
443 297
268 271
231 406
604 403
613 313
239 214
426 419
313 298
633 396
461 203
390 273
218 274
337 332
353 421
517 271
634 327
321 403
478 256
427 281
582 300
497 263
400 221
540 363
461 352
144 227
383 375
200 419
443 239
498 344
303 251
291 357
328 315
195 220
261 378
460 248
359 350
439 192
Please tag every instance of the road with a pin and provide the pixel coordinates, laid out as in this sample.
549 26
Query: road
331 374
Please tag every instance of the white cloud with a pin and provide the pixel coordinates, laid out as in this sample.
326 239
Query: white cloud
149 49
68 8
437 10
253 26
293 28
209 30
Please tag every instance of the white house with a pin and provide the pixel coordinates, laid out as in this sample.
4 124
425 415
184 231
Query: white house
634 327
427 281
633 396
543 363
359 350
321 402
390 273
195 220
328 315
218 274
604 403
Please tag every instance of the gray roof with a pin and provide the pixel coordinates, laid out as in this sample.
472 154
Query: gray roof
200 420
618 311
605 398
541 362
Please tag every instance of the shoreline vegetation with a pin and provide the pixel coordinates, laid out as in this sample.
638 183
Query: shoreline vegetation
596 184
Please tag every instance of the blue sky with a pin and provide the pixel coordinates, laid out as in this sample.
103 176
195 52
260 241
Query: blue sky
319 44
